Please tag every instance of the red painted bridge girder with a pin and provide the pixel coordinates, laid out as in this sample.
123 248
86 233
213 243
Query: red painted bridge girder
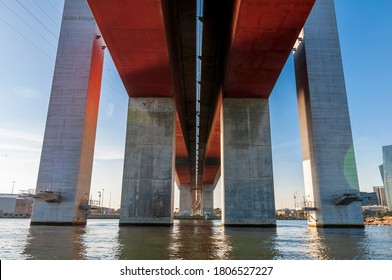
263 35
140 36
257 41
245 46
134 32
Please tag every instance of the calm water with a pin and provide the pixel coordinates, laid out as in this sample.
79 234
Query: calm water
104 239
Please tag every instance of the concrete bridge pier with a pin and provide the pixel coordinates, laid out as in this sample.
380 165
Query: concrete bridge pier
185 200
331 182
64 176
149 162
208 200
208 195
246 163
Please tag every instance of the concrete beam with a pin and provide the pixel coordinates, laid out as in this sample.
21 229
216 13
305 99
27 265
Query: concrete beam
68 147
327 145
149 163
247 176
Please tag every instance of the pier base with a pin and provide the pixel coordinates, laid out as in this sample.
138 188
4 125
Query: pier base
246 165
185 200
148 179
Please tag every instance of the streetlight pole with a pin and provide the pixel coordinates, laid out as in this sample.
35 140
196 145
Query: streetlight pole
103 190
295 204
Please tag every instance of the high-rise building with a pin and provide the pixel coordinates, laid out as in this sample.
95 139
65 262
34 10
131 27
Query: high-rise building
386 170
381 197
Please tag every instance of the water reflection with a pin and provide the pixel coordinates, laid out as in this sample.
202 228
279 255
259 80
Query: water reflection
197 240
55 243
292 240
101 239
337 244
144 243
189 240
251 243
193 240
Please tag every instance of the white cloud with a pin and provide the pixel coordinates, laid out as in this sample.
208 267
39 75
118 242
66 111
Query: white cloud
18 148
27 92
21 141
19 135
108 153
14 142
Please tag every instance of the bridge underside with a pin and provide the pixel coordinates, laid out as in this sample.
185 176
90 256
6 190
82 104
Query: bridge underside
245 44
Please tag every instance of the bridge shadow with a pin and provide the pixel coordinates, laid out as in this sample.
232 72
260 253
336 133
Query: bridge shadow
201 240
196 240
55 243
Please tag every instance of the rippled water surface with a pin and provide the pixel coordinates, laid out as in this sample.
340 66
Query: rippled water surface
104 239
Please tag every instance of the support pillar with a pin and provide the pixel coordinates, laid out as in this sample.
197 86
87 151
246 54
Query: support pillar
246 163
208 200
327 146
185 200
149 172
68 147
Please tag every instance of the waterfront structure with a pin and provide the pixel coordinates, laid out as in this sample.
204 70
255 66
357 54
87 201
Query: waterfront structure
198 131
369 198
373 209
7 203
386 174
15 206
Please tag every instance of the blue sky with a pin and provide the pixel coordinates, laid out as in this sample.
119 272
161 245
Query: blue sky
29 30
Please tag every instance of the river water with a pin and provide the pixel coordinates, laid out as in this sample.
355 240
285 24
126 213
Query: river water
191 240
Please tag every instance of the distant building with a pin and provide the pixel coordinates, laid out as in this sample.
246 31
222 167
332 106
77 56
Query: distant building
372 209
369 198
386 173
15 206
381 197
8 202
285 212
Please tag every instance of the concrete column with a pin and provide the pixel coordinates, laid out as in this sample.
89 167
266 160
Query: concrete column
387 174
327 145
208 200
185 200
68 147
246 163
149 163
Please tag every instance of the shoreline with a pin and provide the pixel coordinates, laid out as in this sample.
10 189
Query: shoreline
374 221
